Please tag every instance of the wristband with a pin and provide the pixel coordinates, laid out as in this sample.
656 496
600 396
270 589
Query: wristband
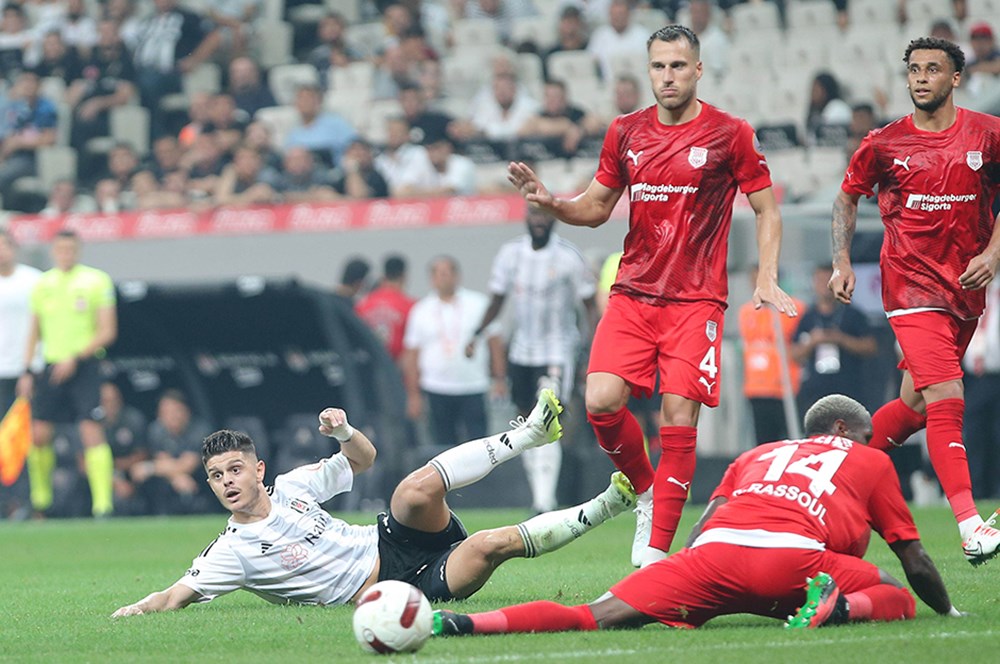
343 433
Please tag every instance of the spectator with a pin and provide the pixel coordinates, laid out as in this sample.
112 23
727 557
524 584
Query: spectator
16 284
170 43
983 68
199 117
503 13
226 123
982 385
394 72
173 480
63 199
452 174
55 60
353 280
627 96
558 119
108 196
359 178
166 157
144 193
831 341
122 163
15 40
28 123
500 113
863 120
620 36
79 30
235 19
258 136
332 49
826 106
246 88
397 18
301 180
416 49
713 39
204 163
571 33
426 126
435 367
106 81
319 131
125 430
241 182
386 308
406 167
763 380
123 14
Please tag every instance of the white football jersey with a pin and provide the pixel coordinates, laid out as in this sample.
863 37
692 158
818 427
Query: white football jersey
298 553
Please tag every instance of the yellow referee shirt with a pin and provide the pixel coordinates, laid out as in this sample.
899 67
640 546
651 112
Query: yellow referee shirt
66 304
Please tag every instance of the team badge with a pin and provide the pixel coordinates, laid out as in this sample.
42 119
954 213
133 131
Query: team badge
711 330
697 157
974 159
298 505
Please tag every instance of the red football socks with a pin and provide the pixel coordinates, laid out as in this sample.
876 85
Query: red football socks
620 436
534 617
947 452
883 603
893 423
673 480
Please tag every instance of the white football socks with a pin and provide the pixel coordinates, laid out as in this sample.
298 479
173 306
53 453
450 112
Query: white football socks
552 530
541 465
472 461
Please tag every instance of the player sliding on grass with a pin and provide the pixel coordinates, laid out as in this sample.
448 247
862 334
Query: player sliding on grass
281 545
784 511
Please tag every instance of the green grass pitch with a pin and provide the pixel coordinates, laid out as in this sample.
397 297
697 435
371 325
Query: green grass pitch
62 580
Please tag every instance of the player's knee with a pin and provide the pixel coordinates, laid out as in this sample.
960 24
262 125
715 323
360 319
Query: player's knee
951 389
602 400
416 492
494 546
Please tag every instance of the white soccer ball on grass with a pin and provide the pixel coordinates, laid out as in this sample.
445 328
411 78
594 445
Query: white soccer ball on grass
392 616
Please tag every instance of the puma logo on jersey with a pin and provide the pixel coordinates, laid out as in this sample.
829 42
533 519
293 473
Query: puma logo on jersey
634 156
683 485
905 163
708 385
958 445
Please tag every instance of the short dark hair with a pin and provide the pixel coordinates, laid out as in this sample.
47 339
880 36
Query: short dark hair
822 416
224 441
394 267
67 234
950 49
174 394
672 33
355 271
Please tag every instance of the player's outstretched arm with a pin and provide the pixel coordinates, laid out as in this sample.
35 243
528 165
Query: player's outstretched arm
845 220
767 291
175 597
923 575
353 444
591 208
982 268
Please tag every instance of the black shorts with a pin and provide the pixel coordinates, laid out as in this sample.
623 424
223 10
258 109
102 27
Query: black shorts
79 398
416 557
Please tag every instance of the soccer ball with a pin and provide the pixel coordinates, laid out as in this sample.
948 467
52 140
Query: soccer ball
392 616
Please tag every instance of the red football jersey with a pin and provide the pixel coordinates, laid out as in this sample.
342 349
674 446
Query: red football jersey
681 181
825 488
935 191
385 311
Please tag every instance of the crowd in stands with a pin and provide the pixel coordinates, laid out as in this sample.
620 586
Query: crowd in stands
138 104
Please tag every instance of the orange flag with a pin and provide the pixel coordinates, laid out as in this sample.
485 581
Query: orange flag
15 440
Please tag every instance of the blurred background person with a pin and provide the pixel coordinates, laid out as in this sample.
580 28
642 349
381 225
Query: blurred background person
125 431
387 307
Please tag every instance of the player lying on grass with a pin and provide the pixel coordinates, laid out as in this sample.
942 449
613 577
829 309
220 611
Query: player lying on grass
281 545
783 512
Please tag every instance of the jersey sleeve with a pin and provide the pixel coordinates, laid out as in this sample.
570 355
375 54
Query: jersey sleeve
889 514
749 164
215 572
502 272
610 169
861 177
103 292
320 481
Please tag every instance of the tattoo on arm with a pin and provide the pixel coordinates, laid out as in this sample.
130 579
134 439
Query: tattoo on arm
845 218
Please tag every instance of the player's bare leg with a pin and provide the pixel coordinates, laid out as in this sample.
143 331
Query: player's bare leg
607 612
475 559
620 436
674 472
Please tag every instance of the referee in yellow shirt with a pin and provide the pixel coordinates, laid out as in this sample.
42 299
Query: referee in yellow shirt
74 316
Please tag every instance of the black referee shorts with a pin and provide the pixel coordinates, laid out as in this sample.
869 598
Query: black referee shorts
79 398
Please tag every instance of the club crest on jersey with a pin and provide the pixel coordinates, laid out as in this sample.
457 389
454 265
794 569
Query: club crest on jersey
299 506
974 159
697 157
711 330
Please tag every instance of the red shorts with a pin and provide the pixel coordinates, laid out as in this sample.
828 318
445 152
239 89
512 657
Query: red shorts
695 585
682 339
933 344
